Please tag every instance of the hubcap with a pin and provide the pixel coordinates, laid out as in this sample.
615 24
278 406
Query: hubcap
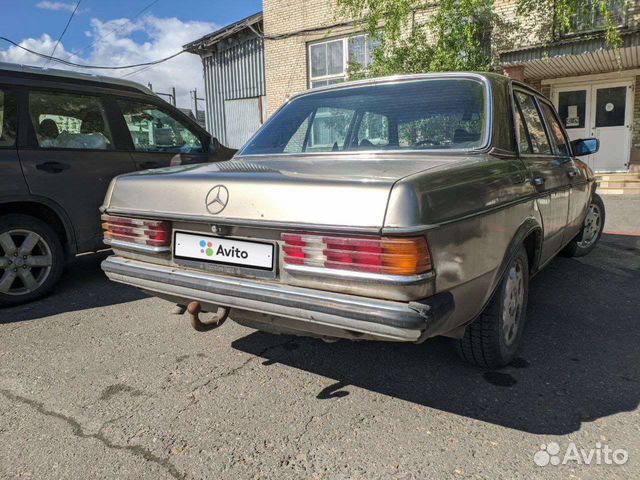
592 226
513 302
25 262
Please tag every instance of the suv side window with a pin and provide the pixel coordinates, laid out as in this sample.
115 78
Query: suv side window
7 120
154 130
555 130
69 121
537 135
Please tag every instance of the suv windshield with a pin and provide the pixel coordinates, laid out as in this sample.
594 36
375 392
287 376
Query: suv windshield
417 115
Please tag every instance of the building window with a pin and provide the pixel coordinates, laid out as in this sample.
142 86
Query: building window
329 60
588 16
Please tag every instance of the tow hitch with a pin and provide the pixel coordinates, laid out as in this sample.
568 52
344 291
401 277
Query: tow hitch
216 320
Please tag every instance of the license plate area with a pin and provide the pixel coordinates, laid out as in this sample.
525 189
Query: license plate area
224 254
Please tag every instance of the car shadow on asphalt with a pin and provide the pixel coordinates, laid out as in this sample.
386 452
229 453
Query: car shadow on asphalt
83 285
580 358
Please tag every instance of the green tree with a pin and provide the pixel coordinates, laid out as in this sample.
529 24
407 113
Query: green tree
452 35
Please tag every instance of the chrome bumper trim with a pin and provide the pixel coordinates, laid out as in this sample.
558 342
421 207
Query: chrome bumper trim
382 318
135 246
360 276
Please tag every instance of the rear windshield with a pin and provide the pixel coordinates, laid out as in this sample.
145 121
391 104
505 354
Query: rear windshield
438 114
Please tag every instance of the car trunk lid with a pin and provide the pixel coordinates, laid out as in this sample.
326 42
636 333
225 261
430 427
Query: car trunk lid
349 192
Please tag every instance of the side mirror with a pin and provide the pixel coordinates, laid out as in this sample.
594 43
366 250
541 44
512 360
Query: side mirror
585 146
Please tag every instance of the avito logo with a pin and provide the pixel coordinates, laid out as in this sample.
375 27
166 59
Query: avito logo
207 248
232 252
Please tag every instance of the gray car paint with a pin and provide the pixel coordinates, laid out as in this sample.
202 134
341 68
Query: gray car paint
473 207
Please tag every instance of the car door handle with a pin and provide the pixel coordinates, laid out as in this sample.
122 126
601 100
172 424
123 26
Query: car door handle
53 167
538 181
572 173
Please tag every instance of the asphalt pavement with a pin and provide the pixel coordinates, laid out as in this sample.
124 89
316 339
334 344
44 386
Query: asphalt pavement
101 381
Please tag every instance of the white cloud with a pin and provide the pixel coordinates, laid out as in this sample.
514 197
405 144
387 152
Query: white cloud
56 6
126 42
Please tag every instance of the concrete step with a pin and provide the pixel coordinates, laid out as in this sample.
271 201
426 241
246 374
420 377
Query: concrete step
615 183
619 191
618 183
616 177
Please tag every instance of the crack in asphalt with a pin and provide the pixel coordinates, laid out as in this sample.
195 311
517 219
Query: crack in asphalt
307 424
77 430
235 370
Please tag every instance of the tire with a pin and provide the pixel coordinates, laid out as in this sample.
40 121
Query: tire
31 259
491 340
592 228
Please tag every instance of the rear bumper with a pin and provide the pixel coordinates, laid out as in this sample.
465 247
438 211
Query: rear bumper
379 318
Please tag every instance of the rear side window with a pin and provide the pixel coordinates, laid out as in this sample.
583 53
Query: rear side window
7 120
154 130
557 136
534 125
523 136
69 121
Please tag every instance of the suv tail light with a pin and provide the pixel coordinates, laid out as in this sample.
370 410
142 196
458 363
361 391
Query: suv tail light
136 232
387 256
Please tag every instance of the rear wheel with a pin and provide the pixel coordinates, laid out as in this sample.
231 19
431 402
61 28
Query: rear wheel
31 259
492 339
591 231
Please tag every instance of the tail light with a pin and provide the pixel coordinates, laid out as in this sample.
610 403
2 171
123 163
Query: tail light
135 231
387 256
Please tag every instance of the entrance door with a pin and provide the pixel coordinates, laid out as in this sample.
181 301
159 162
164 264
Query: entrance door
611 124
602 111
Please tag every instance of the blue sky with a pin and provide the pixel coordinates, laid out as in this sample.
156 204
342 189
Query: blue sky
106 33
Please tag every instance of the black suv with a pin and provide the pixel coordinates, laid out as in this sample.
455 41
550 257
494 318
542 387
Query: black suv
63 137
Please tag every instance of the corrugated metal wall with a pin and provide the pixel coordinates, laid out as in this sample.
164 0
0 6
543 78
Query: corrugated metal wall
233 73
242 120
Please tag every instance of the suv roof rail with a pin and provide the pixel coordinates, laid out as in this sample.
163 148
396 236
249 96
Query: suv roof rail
56 72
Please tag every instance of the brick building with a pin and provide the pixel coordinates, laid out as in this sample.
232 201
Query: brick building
307 44
592 86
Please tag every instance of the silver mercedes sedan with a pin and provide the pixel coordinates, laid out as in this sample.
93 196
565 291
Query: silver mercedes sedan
390 209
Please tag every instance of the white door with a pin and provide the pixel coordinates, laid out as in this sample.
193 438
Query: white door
574 104
611 124
603 111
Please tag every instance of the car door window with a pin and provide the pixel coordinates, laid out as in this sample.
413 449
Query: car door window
154 130
7 120
537 135
555 130
69 121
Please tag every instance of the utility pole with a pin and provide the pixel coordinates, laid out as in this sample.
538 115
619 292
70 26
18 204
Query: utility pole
194 100
194 103
172 95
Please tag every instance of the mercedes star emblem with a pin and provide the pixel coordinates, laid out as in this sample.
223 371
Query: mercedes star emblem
217 199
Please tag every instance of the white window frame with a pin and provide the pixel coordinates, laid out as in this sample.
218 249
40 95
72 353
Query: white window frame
345 57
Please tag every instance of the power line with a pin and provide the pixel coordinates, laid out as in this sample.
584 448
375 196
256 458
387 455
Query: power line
305 31
63 32
96 67
136 71
117 29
